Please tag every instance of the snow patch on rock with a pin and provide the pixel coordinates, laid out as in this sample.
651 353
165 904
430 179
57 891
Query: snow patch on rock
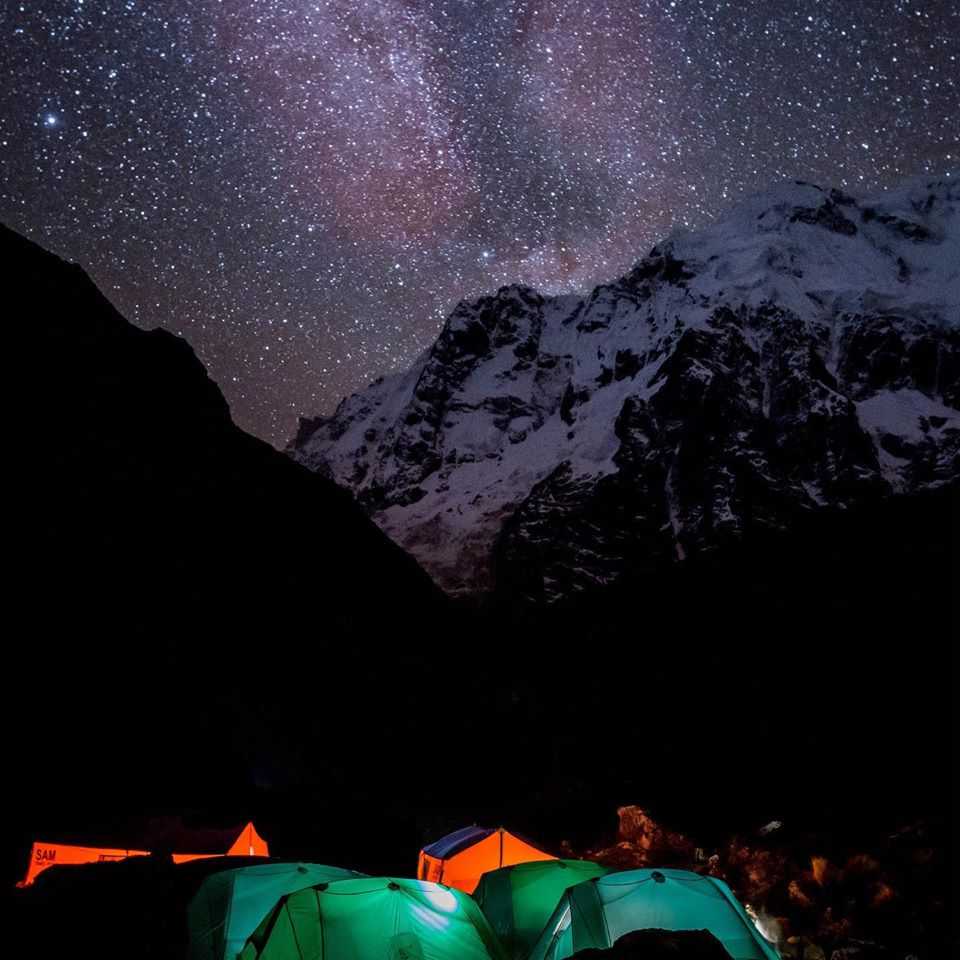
803 351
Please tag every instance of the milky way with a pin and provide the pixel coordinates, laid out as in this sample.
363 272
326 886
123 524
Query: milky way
304 189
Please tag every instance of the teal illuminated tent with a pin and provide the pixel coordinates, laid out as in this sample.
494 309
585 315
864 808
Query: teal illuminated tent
230 905
598 912
519 900
375 918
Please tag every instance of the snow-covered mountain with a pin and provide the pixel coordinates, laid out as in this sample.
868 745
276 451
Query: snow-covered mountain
801 352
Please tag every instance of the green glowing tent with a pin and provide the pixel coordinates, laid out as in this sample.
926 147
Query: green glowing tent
598 912
230 905
519 900
375 918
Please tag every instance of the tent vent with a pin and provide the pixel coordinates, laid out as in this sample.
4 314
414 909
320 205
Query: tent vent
658 876
321 887
393 886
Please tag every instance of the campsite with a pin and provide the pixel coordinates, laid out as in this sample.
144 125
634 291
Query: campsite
250 906
494 895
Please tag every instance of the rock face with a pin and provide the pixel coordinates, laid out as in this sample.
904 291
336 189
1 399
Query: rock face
836 891
802 352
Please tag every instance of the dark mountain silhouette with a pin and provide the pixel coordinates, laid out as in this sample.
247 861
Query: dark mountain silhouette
193 614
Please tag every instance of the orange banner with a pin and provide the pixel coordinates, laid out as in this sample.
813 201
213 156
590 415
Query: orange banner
44 855
249 843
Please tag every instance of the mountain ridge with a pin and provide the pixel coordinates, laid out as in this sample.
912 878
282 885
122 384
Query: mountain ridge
804 349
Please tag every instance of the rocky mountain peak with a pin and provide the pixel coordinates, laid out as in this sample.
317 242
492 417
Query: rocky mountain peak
801 352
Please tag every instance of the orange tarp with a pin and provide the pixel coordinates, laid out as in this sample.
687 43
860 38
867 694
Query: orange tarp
249 843
464 869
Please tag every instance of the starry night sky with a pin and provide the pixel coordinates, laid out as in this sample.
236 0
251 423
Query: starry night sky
303 189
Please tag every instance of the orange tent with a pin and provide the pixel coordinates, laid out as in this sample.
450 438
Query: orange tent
459 858
249 843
